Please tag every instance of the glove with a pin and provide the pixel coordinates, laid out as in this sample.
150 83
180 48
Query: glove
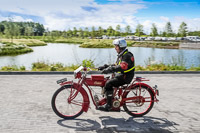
103 67
107 70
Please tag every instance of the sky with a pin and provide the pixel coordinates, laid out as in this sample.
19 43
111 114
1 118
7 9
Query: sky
65 14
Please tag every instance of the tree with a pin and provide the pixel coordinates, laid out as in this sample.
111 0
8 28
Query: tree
16 30
164 34
1 34
100 31
38 29
168 30
93 33
47 32
117 30
139 30
9 27
75 31
64 34
154 31
55 33
182 31
110 31
86 32
127 29
69 33
2 28
81 33
194 33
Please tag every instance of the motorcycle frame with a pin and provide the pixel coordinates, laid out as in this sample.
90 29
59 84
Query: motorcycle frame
123 90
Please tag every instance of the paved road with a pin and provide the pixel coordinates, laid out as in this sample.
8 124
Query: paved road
25 107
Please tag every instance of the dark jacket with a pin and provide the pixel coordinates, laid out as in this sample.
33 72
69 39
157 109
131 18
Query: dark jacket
125 66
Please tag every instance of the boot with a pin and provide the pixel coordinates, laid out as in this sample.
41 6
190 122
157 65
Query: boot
108 106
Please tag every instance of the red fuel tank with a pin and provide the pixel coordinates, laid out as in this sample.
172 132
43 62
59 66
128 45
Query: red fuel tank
96 80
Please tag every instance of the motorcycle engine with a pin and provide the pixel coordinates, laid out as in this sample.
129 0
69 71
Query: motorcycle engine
116 103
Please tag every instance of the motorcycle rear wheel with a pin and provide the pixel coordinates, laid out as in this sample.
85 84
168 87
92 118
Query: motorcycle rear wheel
143 102
67 103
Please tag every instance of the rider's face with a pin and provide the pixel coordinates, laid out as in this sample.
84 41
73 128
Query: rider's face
117 49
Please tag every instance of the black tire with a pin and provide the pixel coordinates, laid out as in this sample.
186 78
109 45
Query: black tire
68 113
133 111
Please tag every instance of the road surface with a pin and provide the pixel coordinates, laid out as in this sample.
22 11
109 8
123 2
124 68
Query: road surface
25 106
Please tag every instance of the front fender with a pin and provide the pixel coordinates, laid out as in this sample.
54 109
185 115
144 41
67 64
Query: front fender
86 102
67 83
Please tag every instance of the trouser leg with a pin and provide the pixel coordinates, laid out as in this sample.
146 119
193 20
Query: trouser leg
109 97
109 93
113 83
108 105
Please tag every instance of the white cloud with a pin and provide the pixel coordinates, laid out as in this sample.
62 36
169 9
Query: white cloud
15 19
20 19
64 14
166 19
147 26
103 15
192 23
42 7
3 18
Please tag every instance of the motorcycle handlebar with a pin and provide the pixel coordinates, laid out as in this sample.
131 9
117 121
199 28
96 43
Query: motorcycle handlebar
88 69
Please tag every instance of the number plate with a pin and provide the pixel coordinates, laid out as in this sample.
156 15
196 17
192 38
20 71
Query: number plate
61 80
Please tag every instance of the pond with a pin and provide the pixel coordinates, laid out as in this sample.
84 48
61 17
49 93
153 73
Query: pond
72 54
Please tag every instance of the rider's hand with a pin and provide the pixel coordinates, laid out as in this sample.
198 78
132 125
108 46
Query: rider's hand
103 67
107 70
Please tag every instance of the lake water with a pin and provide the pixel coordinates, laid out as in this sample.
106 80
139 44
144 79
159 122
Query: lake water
72 54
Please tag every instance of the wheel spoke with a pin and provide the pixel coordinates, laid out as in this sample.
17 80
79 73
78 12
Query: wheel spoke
139 101
67 102
76 103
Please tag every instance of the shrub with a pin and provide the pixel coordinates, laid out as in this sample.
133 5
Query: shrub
40 66
13 68
88 63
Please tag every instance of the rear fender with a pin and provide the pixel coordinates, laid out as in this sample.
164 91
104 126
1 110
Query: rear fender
138 84
86 102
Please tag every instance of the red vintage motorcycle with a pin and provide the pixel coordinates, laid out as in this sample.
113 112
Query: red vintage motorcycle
71 100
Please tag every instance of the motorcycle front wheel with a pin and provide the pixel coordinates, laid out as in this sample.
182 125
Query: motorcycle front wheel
140 101
67 102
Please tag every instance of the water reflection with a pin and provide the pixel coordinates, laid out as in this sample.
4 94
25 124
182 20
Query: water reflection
71 54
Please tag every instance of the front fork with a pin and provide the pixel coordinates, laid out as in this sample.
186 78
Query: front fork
156 92
73 94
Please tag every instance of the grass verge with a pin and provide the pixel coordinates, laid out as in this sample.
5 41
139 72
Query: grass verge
97 43
14 49
43 66
28 42
156 44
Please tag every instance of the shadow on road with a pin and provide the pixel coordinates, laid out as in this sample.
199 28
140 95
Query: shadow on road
80 124
109 124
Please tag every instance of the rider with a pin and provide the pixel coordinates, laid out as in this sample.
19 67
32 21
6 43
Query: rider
124 66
